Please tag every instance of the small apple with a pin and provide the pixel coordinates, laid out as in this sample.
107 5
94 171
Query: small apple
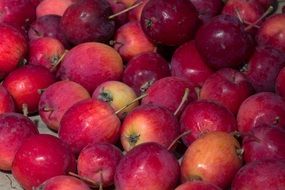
53 7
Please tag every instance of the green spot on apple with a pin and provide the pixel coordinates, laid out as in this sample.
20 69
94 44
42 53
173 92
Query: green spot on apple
133 139
106 96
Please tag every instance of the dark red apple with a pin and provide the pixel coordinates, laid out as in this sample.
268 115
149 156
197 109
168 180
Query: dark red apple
118 6
197 185
228 87
24 85
187 62
39 158
90 64
144 69
263 108
169 22
203 116
6 101
279 83
98 162
259 175
15 128
212 158
53 7
149 123
89 121
147 166
57 99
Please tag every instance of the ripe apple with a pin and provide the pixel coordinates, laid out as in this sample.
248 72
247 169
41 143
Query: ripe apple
53 7
280 80
91 64
147 166
6 101
89 121
118 95
15 128
135 14
39 158
24 84
98 162
118 6
213 158
63 182
197 185
149 123
203 116
57 98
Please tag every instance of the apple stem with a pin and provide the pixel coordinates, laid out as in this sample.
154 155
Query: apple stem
125 10
134 100
40 91
58 61
86 179
177 138
25 109
184 99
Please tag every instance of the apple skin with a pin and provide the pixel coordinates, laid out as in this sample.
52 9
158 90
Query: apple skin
280 80
188 63
11 40
135 14
263 108
228 87
143 70
15 128
203 116
63 182
197 185
98 162
118 95
213 158
89 121
6 101
53 7
149 123
259 175
118 6
41 157
168 92
130 40
57 99
46 51
24 84
147 166
91 64
264 142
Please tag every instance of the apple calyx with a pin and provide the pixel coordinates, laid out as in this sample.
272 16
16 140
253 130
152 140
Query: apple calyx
146 85
195 178
55 64
184 99
105 96
133 139
125 10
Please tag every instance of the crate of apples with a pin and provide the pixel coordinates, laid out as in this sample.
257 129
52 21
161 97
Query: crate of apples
142 94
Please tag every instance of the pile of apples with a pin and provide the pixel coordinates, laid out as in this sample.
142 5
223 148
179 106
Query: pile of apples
143 94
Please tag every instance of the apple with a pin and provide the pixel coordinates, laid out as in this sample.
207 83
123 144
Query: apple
53 7
24 85
187 62
147 166
204 116
90 64
63 182
149 123
57 98
11 40
172 23
135 14
263 108
118 95
280 79
39 158
212 158
197 185
258 175
228 87
118 6
15 128
47 52
143 70
98 162
6 101
89 121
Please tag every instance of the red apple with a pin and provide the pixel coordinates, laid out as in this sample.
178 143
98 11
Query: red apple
197 185
149 123
91 64
24 85
15 128
53 7
188 63
130 41
63 182
263 108
228 87
280 80
39 158
57 99
89 121
118 6
147 166
135 14
6 101
259 175
203 116
212 158
98 162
